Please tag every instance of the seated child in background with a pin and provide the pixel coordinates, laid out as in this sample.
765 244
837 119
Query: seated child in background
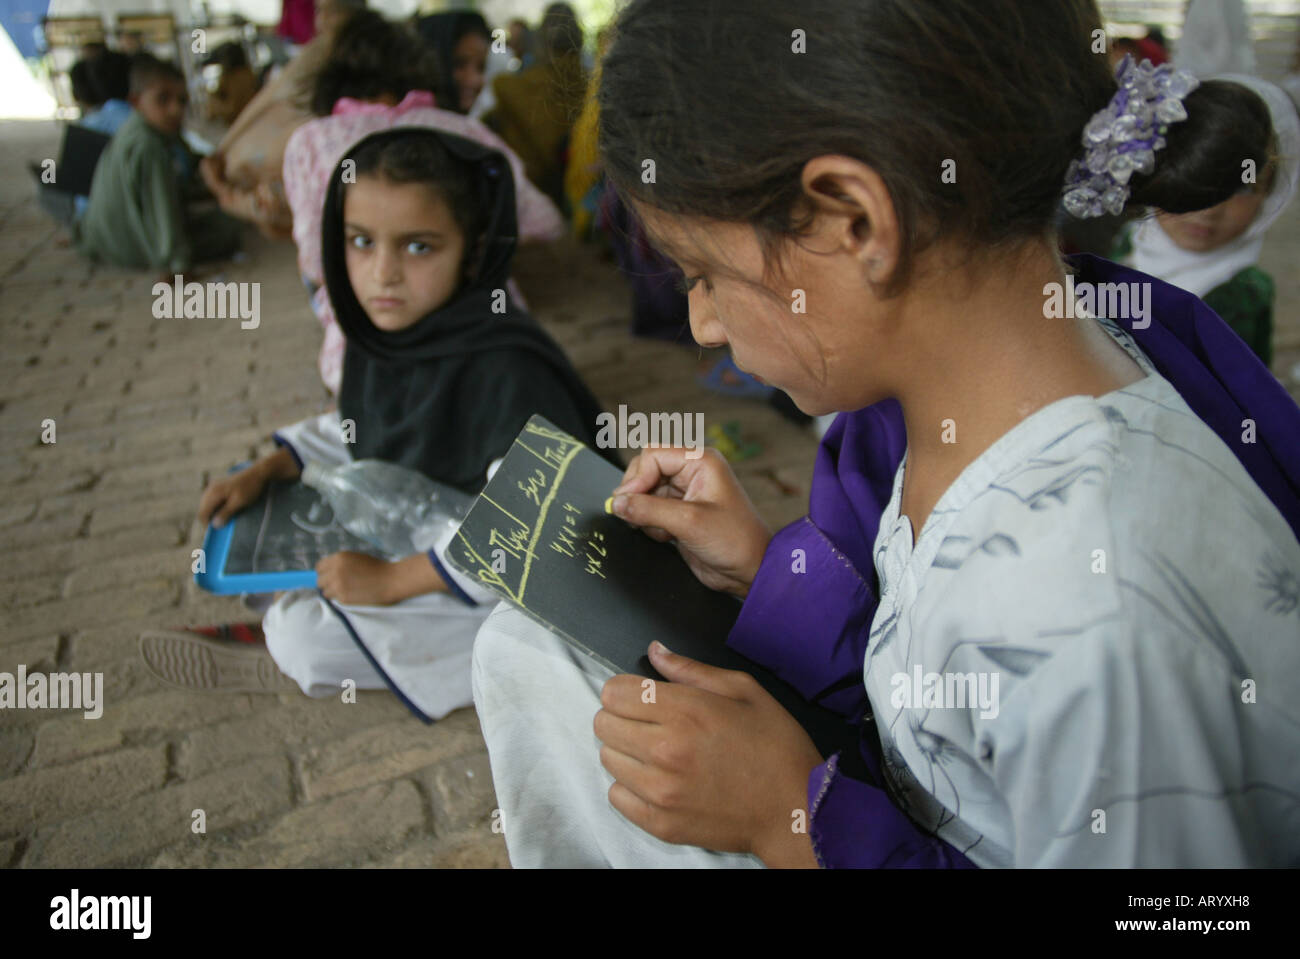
244 172
378 76
99 85
460 40
535 108
236 86
417 248
110 75
138 214
1214 252
84 92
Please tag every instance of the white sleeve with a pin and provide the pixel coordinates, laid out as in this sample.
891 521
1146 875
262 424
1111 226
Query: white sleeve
317 439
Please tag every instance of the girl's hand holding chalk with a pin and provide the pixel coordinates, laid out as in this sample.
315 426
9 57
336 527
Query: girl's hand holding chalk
698 504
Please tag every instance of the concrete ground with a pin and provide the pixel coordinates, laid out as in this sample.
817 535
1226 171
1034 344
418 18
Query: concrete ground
96 531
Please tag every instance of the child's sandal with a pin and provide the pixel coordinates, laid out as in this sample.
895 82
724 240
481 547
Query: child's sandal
191 661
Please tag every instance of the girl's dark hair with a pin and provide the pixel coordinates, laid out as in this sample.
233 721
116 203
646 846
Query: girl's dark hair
371 58
420 158
111 74
1202 164
730 112
440 32
84 88
228 56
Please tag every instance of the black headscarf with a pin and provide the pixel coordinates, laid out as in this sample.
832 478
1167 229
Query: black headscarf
448 394
441 32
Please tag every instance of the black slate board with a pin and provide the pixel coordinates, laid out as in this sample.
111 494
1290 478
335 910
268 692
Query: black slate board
605 587
289 528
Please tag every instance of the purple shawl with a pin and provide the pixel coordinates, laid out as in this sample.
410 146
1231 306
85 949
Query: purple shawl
853 821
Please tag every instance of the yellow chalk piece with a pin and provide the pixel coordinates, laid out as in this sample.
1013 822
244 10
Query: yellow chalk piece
609 505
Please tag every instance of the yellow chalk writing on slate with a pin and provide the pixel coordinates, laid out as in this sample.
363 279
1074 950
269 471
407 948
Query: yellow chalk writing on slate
521 541
536 482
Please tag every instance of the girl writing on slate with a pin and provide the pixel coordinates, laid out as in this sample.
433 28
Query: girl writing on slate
440 373
1049 575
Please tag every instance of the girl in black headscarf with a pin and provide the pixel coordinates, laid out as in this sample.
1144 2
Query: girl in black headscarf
441 372
461 42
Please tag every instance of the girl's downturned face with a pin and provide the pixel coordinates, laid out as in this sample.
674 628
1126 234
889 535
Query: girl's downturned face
403 250
800 328
1206 230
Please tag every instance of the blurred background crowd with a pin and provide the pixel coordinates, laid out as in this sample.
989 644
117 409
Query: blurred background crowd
263 92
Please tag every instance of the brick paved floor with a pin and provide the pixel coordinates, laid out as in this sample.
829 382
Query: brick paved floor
96 532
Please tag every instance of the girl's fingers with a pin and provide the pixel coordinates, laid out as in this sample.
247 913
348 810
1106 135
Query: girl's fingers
642 474
636 809
630 699
633 470
324 577
214 496
634 775
675 517
731 683
224 509
653 467
327 563
629 736
207 503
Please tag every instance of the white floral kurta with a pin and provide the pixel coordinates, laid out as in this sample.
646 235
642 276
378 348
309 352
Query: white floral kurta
1147 660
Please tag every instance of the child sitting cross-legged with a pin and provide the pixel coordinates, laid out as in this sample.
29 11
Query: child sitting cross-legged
417 237
140 213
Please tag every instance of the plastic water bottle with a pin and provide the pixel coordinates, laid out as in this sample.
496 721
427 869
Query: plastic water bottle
389 506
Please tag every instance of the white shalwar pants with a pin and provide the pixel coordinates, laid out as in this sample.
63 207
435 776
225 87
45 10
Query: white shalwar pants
424 644
421 647
537 698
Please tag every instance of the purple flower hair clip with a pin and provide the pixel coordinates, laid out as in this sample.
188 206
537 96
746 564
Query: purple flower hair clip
1122 139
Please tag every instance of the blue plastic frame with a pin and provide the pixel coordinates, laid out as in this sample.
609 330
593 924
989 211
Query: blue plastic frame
216 549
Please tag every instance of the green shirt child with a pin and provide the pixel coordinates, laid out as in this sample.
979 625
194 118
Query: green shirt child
138 214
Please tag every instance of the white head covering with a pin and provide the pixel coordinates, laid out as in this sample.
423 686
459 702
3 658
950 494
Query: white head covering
1215 39
1156 254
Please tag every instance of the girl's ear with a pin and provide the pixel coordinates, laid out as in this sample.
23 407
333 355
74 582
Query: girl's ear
854 212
